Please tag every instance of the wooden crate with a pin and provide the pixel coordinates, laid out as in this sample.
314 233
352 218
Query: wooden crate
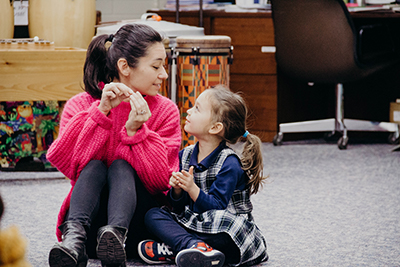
32 72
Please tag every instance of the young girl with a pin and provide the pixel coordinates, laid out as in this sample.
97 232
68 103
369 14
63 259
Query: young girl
211 221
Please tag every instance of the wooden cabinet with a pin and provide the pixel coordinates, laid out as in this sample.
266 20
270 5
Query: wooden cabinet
252 72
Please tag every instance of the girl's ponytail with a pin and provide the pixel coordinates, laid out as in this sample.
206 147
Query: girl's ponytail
95 70
252 162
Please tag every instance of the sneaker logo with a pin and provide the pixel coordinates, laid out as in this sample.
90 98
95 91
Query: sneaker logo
164 249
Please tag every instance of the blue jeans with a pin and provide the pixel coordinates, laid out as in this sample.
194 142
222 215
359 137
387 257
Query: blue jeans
161 223
111 196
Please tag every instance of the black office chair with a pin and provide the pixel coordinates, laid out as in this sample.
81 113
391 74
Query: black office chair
316 42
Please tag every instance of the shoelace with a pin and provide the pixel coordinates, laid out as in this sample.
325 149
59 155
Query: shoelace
164 249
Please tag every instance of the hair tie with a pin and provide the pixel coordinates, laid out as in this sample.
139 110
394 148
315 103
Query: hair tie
110 38
245 134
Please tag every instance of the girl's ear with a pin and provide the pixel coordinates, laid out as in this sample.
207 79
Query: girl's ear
123 66
216 128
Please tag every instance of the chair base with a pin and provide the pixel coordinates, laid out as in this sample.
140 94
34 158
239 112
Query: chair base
334 125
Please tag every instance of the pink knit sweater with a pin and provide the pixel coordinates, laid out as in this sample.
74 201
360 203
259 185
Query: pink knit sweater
87 134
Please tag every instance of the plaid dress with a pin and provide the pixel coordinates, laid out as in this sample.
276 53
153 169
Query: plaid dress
236 220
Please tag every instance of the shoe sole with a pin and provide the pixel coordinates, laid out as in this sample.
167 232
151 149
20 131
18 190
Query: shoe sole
110 251
195 258
59 257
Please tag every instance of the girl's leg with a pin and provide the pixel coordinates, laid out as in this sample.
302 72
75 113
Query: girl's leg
161 223
224 243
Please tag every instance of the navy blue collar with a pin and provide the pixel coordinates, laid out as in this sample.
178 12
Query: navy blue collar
207 161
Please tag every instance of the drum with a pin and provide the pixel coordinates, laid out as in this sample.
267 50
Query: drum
6 19
166 84
67 23
202 62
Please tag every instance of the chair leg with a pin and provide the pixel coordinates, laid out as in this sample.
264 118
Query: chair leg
338 124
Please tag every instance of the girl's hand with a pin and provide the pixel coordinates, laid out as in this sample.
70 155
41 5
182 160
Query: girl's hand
139 114
113 94
186 182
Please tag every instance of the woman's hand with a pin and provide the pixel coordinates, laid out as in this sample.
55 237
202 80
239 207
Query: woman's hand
174 183
139 114
113 94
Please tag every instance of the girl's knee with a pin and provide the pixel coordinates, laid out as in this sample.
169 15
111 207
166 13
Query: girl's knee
155 214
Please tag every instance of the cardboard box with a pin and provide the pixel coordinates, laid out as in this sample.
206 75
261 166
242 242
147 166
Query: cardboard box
395 111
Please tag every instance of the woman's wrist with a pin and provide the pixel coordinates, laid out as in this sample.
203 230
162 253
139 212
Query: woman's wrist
130 131
104 111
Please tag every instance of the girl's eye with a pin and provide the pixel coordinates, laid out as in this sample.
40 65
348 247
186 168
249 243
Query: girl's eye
155 67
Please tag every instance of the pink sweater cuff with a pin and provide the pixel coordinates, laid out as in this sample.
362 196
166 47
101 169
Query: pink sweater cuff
140 135
99 117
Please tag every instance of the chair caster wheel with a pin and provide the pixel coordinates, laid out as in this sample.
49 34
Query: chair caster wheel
393 139
342 143
277 141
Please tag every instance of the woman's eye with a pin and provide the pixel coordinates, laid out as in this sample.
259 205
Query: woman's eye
155 67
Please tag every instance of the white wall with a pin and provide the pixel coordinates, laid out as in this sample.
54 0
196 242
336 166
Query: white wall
112 10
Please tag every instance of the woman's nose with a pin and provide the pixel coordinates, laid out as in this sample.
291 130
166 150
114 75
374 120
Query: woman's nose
163 74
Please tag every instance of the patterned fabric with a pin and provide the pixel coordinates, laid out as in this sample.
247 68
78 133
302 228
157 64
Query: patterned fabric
236 220
27 129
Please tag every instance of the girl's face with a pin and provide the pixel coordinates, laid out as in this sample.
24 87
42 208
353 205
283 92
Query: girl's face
150 72
198 120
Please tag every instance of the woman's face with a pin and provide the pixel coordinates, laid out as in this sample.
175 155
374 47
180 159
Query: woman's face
150 72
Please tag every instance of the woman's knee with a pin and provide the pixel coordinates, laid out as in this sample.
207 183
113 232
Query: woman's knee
95 165
121 167
120 163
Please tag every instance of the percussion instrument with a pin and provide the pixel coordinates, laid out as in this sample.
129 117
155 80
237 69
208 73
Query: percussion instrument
202 62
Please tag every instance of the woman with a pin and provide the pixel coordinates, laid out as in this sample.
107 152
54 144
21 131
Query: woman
119 144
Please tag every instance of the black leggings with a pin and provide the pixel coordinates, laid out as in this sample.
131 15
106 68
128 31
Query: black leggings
111 196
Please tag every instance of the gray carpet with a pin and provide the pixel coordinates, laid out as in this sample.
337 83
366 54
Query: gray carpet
322 206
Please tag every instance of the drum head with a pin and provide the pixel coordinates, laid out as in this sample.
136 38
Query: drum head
204 44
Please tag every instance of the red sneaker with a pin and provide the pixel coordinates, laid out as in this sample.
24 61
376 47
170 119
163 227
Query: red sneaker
153 252
200 255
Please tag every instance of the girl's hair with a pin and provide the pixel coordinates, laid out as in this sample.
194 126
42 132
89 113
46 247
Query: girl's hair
131 42
230 109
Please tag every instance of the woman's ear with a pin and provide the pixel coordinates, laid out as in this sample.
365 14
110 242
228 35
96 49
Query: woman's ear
123 66
216 128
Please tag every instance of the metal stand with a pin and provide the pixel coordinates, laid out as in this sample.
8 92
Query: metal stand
338 124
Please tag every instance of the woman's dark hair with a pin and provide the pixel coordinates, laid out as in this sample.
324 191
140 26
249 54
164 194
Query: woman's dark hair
130 42
230 109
